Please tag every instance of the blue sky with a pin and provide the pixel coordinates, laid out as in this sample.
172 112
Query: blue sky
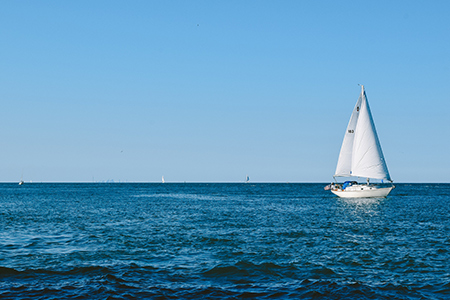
209 91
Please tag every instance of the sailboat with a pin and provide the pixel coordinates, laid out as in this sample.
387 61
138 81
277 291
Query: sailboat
21 180
247 179
162 180
361 156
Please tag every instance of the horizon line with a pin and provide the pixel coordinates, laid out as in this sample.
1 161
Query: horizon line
244 182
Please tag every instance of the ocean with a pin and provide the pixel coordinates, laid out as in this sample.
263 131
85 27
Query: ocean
222 241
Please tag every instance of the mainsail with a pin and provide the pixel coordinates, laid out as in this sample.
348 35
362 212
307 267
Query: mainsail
361 154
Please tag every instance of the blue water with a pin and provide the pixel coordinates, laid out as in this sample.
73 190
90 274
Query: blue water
189 241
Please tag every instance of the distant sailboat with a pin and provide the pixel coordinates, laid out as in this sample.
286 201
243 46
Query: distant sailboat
162 180
21 180
247 179
361 156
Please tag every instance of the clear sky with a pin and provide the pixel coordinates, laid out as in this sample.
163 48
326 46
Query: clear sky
210 91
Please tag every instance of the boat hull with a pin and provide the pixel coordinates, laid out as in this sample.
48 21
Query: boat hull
363 191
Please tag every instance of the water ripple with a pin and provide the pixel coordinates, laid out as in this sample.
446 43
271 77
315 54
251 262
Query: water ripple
189 241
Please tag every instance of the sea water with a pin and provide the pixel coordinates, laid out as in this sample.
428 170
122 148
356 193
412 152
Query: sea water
218 240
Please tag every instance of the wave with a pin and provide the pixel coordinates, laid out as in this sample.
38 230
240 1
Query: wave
242 279
8 271
250 271
83 271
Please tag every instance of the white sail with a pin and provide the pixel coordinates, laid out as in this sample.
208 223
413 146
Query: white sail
344 165
367 159
361 154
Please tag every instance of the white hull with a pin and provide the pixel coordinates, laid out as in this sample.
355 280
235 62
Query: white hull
362 191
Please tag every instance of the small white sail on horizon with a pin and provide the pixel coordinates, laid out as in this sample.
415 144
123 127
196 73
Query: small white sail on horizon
162 180
361 154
